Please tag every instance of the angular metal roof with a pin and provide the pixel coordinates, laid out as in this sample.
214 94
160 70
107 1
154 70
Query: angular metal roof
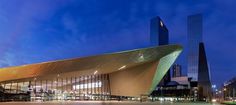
104 63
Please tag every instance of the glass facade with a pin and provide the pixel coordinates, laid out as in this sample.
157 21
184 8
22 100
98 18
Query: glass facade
159 35
87 87
204 83
194 31
177 70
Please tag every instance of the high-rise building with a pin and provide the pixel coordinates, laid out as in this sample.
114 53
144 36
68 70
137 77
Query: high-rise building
159 35
198 69
177 70
204 83
194 31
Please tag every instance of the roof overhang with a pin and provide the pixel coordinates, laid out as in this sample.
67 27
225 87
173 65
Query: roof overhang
101 64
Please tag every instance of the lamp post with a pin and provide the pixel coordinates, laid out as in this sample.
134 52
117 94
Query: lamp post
224 93
213 91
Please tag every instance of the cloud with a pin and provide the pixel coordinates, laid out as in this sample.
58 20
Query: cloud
37 31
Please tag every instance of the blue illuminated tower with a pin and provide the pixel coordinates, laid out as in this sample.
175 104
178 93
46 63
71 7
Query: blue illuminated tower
197 65
194 31
159 34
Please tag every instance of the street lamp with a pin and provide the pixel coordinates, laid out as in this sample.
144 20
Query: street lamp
224 93
213 86
214 90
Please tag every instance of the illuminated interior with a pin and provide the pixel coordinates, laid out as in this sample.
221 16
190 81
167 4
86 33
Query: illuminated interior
123 74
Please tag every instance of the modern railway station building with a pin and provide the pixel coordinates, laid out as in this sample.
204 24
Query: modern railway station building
131 73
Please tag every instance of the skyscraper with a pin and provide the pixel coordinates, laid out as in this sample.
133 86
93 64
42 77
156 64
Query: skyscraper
194 31
204 83
198 69
177 70
159 35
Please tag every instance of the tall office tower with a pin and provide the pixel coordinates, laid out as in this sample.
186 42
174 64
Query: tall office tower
198 68
177 70
159 35
204 83
194 31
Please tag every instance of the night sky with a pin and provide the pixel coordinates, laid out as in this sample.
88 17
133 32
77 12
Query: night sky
35 31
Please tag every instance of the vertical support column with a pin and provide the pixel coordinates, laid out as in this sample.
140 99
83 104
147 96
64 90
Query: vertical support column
30 85
11 87
51 85
41 83
97 92
96 81
95 89
4 86
87 85
62 85
71 84
75 87
56 91
109 88
79 87
102 86
91 91
23 84
99 88
101 93
16 87
52 89
41 89
66 84
71 87
84 86
29 90
46 88
92 86
35 89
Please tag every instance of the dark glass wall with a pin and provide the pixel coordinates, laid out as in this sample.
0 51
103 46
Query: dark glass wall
194 33
177 70
158 32
159 35
204 83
